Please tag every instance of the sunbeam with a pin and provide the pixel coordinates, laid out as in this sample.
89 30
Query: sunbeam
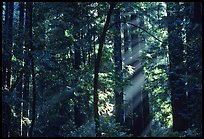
129 57
137 83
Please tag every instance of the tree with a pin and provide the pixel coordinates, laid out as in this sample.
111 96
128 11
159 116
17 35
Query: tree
28 47
4 44
55 84
96 68
20 43
126 37
118 69
30 9
6 119
10 42
79 117
193 64
177 85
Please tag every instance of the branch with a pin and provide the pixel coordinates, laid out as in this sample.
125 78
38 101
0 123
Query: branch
136 27
146 32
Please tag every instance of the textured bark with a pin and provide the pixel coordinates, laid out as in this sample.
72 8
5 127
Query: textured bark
96 69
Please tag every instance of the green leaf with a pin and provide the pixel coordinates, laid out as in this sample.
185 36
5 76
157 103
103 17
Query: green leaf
67 33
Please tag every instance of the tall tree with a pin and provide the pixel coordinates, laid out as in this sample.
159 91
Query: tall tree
96 68
127 44
26 81
78 115
4 44
9 41
118 68
193 26
20 43
176 70
30 10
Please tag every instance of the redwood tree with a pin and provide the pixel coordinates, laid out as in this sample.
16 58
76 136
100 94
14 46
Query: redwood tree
118 69
177 85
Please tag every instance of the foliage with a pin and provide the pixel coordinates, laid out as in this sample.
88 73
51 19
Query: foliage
60 29
155 59
109 128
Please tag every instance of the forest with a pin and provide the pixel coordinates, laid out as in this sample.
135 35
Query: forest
101 69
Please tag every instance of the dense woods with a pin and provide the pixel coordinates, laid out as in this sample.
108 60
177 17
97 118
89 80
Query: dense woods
101 69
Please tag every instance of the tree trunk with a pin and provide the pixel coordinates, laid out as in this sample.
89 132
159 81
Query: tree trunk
118 69
27 70
78 116
126 39
197 17
4 46
193 27
30 9
20 42
10 42
177 85
133 34
96 69
6 119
